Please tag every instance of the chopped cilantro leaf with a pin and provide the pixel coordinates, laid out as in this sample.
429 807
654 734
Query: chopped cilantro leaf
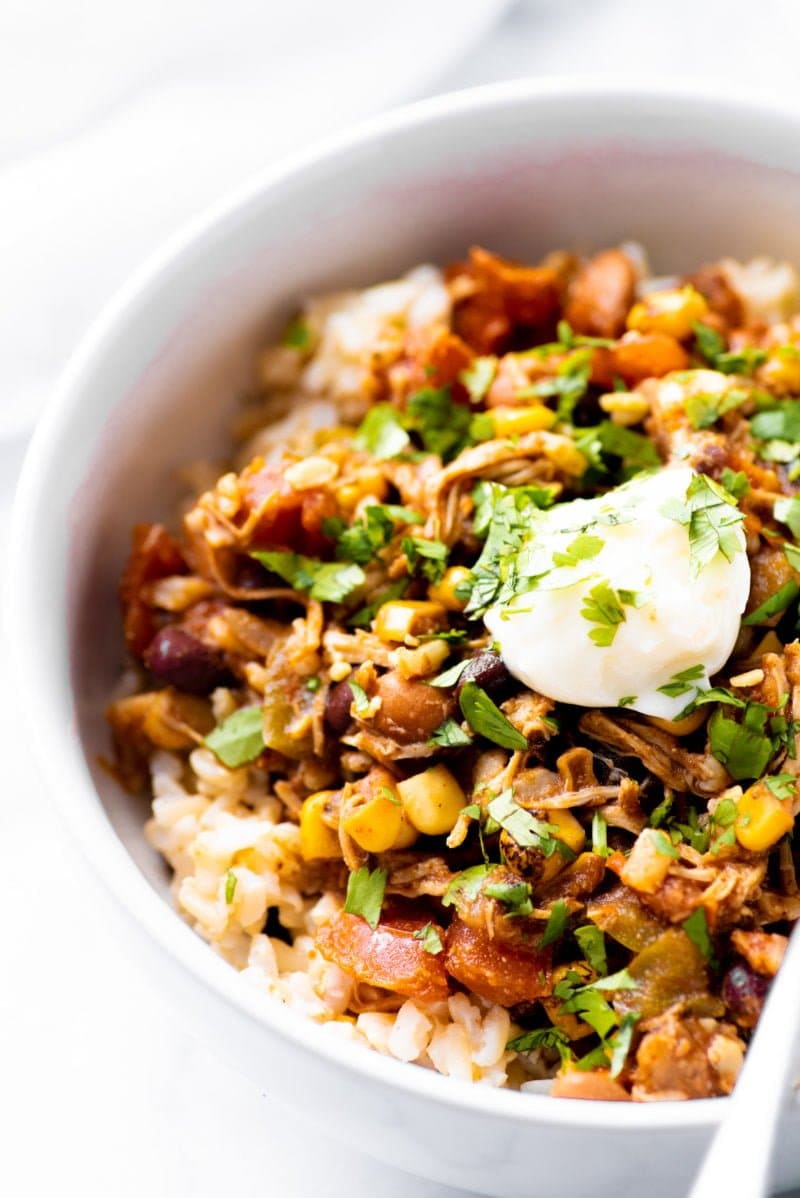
451 675
620 1043
527 830
774 604
367 536
783 786
230 886
515 896
239 739
704 409
365 893
297 334
431 940
743 748
465 885
664 845
735 482
696 928
608 440
556 924
788 512
449 734
326 581
600 835
429 556
712 519
478 377
486 718
360 702
781 423
381 432
593 946
603 606
583 548
542 1037
681 684
626 701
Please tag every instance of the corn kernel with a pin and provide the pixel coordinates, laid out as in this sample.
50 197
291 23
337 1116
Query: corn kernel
567 457
408 617
340 670
511 422
444 591
571 832
781 371
673 312
377 824
432 800
625 407
427 659
316 838
761 819
647 866
314 471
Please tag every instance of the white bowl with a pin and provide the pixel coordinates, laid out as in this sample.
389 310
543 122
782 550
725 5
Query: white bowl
521 168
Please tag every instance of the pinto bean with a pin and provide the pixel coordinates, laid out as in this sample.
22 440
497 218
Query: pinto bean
185 662
410 710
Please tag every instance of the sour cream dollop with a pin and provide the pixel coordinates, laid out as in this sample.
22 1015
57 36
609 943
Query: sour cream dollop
636 561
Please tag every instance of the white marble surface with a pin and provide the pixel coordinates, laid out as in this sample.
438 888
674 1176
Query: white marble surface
104 1093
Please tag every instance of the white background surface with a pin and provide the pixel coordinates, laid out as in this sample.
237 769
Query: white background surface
117 121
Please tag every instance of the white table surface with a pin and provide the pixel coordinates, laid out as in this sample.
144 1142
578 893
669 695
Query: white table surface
103 1091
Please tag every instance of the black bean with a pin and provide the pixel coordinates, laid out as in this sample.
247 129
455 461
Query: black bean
337 707
488 670
184 661
744 992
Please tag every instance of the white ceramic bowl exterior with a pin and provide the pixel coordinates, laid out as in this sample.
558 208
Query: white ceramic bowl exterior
521 168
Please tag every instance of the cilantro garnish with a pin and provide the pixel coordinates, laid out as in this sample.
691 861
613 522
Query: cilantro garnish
664 845
429 556
775 603
313 683
583 548
603 606
593 946
745 748
486 718
620 1043
381 433
712 518
450 735
367 536
543 1037
443 426
556 924
599 835
735 482
297 334
515 896
478 377
570 339
360 702
568 384
713 348
705 409
783 786
365 893
626 701
465 885
504 516
451 675
608 440
525 829
788 512
681 683
230 886
326 581
781 423
431 940
696 928
239 739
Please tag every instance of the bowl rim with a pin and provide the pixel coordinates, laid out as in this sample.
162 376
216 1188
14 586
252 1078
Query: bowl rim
46 720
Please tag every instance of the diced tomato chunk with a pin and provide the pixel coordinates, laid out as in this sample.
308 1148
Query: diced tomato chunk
501 973
389 956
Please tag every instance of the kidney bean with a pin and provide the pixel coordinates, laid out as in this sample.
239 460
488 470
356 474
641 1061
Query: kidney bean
410 710
488 670
185 662
744 992
337 707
